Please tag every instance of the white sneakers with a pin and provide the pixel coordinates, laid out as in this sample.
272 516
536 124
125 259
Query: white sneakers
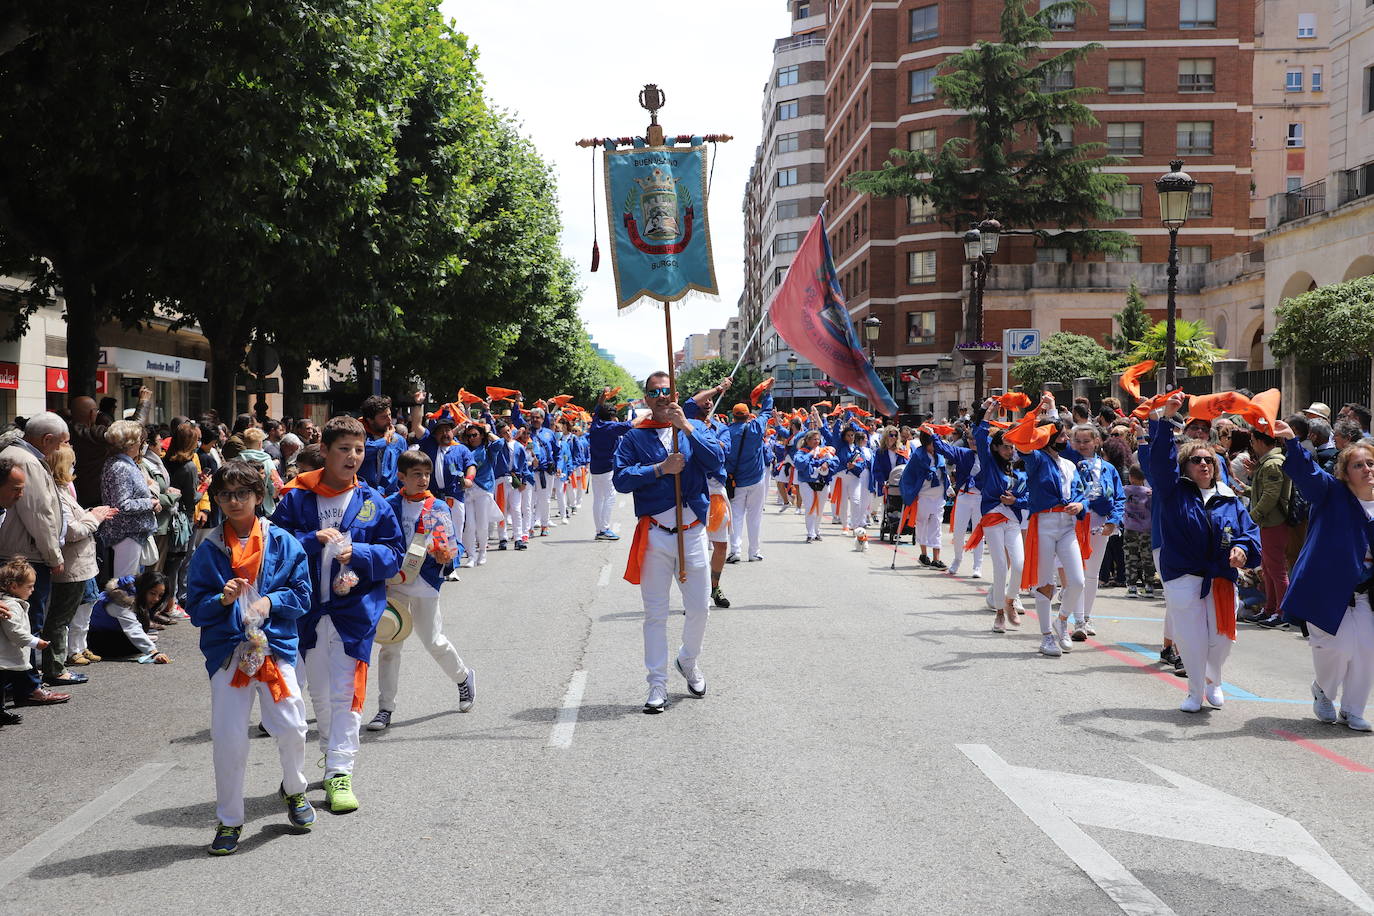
696 681
467 563
657 701
1000 624
1190 704
1322 706
1060 626
1214 695
1355 723
1049 645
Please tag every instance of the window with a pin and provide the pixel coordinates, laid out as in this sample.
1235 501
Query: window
788 76
919 210
1130 254
1197 75
789 143
1292 80
1063 20
922 141
1127 14
923 85
1126 139
784 242
1194 254
1293 183
787 177
1316 79
1197 14
1063 136
788 209
920 267
1307 25
803 10
1051 255
778 274
1294 136
1125 76
925 23
787 110
1194 138
1368 89
1127 200
1201 203
920 327
1057 79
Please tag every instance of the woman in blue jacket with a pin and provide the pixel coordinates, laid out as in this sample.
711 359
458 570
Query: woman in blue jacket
816 468
852 457
1332 580
1205 536
1105 500
924 485
1002 508
491 457
964 465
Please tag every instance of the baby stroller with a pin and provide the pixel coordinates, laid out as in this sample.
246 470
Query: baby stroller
892 508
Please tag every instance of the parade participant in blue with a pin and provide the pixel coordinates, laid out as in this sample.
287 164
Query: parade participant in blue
453 465
384 446
603 437
520 493
645 466
432 545
580 460
852 481
968 500
544 442
354 544
838 435
1058 532
888 455
1334 576
247 587
1206 534
491 462
1105 498
816 467
925 481
746 464
780 468
1002 507
565 463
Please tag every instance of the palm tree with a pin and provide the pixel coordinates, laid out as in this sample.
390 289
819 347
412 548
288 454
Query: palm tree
1192 343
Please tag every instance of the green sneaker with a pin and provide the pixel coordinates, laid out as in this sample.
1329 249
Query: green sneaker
338 793
226 840
299 811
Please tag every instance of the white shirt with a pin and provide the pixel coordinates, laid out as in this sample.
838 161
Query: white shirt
439 466
1066 471
410 514
331 513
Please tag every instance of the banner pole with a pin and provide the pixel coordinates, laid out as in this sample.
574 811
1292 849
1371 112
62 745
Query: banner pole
677 478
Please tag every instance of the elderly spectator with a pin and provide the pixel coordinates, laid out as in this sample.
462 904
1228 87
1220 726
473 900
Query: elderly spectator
150 462
307 431
124 486
183 468
33 531
78 568
1323 449
289 446
1345 433
88 441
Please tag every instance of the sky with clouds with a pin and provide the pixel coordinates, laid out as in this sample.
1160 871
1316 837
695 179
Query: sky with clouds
574 70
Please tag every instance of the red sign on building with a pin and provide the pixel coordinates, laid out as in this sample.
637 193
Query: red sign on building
57 380
102 382
9 376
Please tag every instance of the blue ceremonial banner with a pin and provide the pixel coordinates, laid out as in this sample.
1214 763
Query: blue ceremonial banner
656 205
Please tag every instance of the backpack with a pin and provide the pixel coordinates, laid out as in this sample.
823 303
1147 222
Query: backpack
1298 508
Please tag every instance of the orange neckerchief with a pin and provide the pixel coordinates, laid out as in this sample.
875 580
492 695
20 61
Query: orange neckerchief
245 557
650 423
270 675
417 499
634 565
1130 379
314 482
1027 437
359 684
1224 596
991 520
718 513
1031 570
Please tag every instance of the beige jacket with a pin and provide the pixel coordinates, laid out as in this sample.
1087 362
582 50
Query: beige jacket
33 528
78 550
17 640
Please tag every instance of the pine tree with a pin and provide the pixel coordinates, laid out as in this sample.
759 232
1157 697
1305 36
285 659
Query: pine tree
1132 320
1016 165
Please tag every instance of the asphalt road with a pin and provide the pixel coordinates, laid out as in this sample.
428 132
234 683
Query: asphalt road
867 745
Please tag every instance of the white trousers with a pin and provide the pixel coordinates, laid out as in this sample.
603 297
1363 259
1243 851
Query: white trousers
516 524
603 501
560 492
575 492
429 630
125 561
329 679
231 710
859 501
658 574
133 630
541 496
814 502
967 511
1059 547
841 484
1194 623
458 510
1098 542
481 512
78 629
930 506
1008 554
746 516
1344 660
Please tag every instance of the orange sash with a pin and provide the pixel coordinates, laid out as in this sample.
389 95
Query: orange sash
815 507
908 518
271 675
1224 596
837 495
359 684
991 520
718 513
501 497
314 482
634 565
1031 570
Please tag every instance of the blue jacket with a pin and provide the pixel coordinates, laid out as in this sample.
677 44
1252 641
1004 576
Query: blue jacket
859 455
743 445
492 462
1193 536
1332 563
882 470
431 570
456 461
377 550
379 463
992 483
1110 503
809 467
923 468
961 462
520 464
284 579
602 438
1044 482
640 449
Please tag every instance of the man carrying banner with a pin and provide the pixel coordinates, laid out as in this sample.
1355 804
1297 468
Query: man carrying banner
645 464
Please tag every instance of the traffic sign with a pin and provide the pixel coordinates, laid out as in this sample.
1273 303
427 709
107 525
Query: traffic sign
1021 342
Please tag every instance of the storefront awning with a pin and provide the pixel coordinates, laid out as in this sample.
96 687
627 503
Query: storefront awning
157 365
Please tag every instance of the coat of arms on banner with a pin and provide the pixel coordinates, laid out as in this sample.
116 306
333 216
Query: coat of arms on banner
656 205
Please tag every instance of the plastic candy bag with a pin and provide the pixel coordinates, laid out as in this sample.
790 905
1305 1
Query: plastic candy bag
440 538
345 578
253 651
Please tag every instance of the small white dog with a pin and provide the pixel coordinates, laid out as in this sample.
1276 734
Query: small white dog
861 539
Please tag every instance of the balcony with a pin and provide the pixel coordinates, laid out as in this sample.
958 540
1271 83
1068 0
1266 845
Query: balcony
1357 183
797 42
1093 275
1305 201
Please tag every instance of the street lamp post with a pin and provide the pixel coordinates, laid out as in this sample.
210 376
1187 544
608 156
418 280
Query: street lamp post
872 327
980 244
792 381
1175 198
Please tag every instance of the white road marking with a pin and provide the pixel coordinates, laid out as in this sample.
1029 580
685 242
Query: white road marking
22 860
562 734
605 578
1185 810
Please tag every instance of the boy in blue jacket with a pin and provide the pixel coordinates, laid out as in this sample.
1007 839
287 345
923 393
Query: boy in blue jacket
416 507
331 510
246 663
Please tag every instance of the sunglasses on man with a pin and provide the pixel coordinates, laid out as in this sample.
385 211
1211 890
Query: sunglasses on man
658 392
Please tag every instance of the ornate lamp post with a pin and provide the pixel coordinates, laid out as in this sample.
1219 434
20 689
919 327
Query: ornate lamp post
872 327
792 381
980 244
1175 198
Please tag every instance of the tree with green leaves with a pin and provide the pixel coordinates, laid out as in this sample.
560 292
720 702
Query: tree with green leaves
1133 321
708 375
1015 164
1327 324
1063 358
1193 346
